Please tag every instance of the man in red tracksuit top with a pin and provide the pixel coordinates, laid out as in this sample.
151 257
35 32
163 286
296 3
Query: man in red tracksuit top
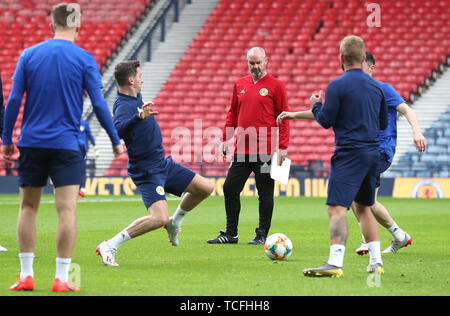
257 101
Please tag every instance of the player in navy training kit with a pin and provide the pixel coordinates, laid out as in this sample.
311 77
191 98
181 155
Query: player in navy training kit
355 107
54 75
388 143
153 174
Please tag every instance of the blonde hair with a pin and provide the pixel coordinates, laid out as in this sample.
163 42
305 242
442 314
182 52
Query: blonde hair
353 50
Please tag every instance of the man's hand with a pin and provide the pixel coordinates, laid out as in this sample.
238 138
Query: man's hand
316 98
146 112
224 149
285 116
282 154
420 142
7 153
118 150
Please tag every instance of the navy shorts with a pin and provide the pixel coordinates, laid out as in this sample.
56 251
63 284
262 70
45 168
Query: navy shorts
383 165
64 167
352 177
173 178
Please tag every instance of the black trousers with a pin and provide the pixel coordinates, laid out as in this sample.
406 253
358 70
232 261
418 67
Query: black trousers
237 176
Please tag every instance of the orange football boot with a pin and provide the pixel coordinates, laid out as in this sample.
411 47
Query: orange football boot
26 284
59 286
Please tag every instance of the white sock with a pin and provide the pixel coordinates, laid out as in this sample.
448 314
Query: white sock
179 215
374 252
362 235
337 255
119 239
26 264
396 232
62 269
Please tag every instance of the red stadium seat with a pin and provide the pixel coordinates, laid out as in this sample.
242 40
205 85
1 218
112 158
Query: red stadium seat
302 39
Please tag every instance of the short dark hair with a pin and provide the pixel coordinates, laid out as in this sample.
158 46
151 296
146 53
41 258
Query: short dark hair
369 58
66 15
125 70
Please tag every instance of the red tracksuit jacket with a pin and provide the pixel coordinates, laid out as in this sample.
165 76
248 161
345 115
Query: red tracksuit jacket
253 112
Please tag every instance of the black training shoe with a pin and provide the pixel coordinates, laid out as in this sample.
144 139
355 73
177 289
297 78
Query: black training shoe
223 238
260 238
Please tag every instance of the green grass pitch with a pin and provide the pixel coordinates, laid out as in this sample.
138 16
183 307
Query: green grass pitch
149 265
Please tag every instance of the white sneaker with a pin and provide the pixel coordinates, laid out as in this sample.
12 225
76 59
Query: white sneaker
107 253
82 192
173 232
3 249
376 268
363 250
397 244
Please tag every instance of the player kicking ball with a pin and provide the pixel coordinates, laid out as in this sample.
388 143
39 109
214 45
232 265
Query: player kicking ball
153 174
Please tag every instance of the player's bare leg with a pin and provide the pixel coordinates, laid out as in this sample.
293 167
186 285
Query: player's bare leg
338 239
382 216
362 250
30 198
369 228
66 206
157 218
381 213
198 190
338 225
400 238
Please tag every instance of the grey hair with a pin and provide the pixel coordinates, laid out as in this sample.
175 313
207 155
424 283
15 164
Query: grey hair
251 50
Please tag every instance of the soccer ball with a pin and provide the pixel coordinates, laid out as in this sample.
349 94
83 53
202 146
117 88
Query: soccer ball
278 247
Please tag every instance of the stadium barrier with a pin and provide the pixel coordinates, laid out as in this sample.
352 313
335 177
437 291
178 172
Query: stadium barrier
296 187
